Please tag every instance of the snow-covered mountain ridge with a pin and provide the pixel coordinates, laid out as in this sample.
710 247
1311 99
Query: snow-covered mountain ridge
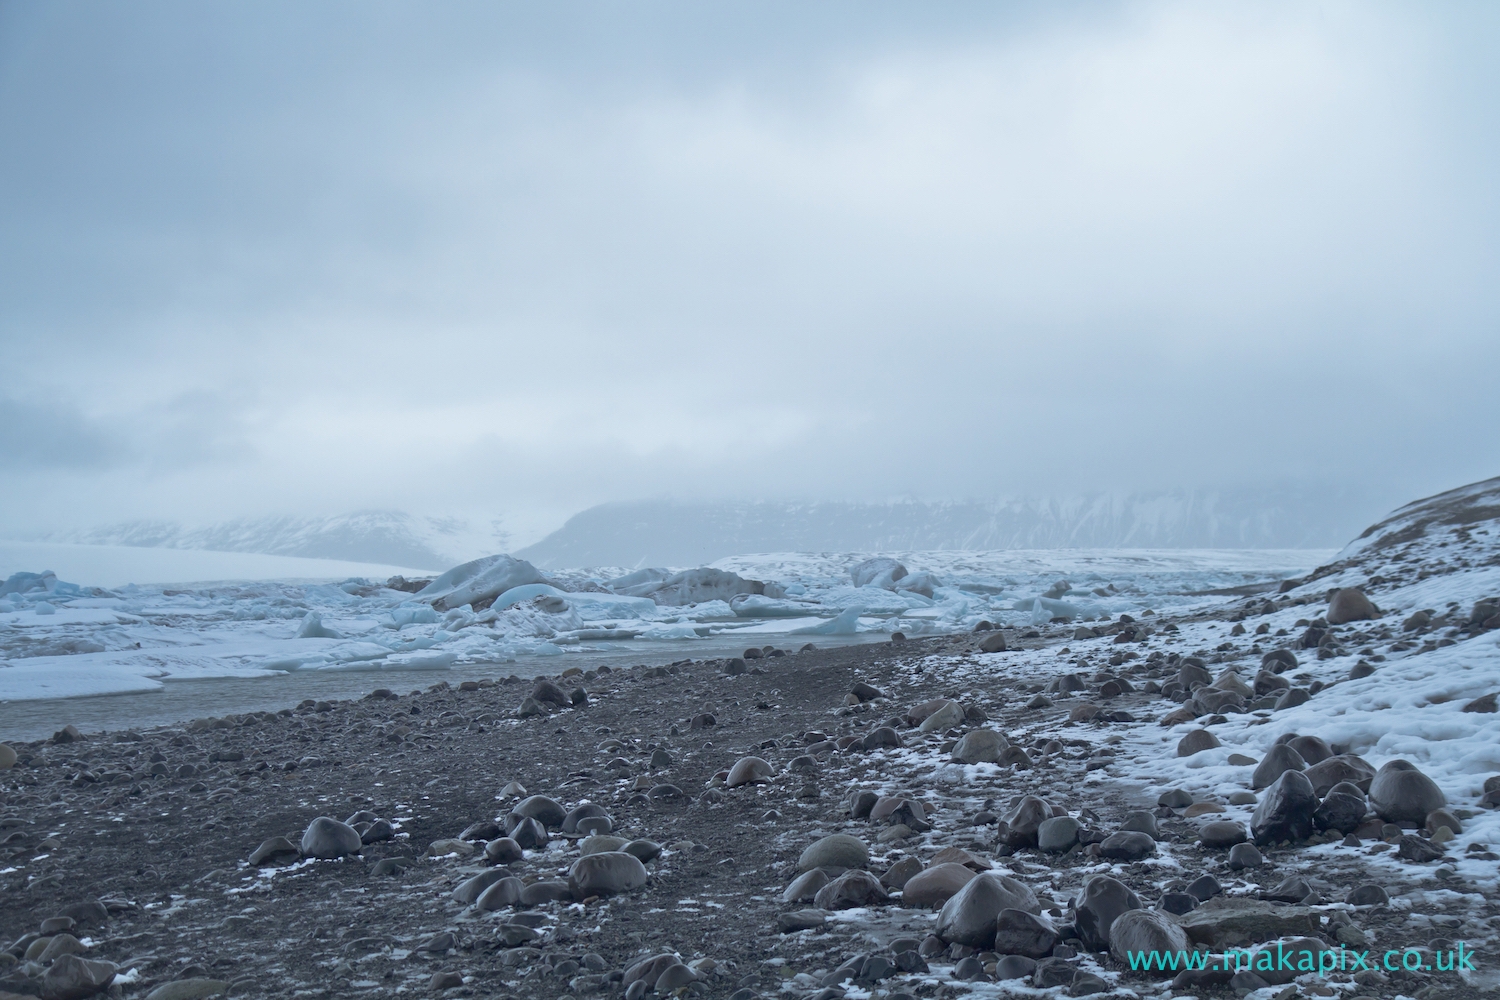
669 533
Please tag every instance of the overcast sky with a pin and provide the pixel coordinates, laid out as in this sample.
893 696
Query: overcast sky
518 259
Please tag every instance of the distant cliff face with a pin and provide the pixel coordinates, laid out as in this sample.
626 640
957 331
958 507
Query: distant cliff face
666 533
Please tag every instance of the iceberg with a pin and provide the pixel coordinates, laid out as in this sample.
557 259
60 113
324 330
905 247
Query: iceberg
760 606
881 571
693 586
478 580
846 623
312 627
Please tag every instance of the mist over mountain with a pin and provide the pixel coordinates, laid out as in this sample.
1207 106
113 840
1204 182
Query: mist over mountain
380 536
692 533
669 533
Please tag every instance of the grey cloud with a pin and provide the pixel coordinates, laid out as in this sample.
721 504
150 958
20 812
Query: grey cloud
40 433
508 256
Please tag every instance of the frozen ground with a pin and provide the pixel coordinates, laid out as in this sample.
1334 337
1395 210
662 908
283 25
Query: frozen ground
96 633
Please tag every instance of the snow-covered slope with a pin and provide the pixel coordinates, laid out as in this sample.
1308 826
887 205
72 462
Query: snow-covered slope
371 536
666 533
119 565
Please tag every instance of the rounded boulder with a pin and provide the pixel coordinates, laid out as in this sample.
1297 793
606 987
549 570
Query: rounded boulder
1099 905
837 850
749 771
1400 792
548 812
933 887
605 874
980 746
327 838
1143 931
969 917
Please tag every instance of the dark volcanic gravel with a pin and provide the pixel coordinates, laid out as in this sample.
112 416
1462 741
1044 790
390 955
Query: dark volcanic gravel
142 839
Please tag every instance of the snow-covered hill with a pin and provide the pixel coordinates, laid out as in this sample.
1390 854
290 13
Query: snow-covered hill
667 533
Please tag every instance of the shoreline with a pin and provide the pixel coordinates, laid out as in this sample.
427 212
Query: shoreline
155 871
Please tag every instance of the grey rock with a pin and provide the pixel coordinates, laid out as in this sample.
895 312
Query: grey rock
1014 967
74 978
647 850
1057 834
548 812
1141 821
1286 810
327 838
881 737
1233 921
1205 887
1243 856
1350 605
1025 820
1342 767
377 832
579 813
502 851
1368 894
472 888
1087 984
1313 749
274 850
749 770
649 970
852 889
1221 834
1196 742
968 969
837 850
1401 792
1292 698
969 916
1145 931
804 887
599 843
504 893
933 887
1178 902
606 874
899 874
801 920
529 834
1127 845
546 891
1340 811
1018 932
1278 760
1288 890
390 866
1098 906
1175 798
948 716
980 746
